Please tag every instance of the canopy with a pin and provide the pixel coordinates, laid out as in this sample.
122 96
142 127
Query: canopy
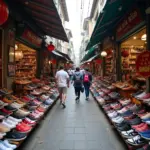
108 19
42 13
90 54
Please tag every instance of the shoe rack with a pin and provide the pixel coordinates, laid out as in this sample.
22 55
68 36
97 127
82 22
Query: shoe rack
26 66
109 62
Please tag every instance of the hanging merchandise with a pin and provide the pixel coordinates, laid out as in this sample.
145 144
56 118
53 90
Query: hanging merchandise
53 61
143 64
98 61
4 12
125 53
51 47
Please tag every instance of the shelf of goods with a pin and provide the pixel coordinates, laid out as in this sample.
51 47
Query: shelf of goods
109 62
129 56
20 115
129 115
26 66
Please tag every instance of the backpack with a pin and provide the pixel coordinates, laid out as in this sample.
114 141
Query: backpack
86 78
78 80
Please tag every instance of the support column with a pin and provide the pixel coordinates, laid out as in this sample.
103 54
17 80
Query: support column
118 62
148 38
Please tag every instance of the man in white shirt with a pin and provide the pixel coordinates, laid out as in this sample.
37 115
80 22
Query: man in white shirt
62 79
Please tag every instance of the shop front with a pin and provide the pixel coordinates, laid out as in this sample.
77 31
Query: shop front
108 56
131 36
26 57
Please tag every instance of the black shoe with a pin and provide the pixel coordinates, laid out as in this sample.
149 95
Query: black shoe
16 136
87 98
77 98
63 104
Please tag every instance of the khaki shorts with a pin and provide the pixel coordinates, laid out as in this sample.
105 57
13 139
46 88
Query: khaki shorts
62 90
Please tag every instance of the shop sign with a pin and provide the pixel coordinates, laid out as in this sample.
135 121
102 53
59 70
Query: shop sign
143 64
30 37
129 22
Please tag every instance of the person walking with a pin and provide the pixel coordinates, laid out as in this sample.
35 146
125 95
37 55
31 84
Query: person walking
62 80
87 79
70 72
78 82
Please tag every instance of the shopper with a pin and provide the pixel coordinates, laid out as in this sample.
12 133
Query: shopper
70 72
78 82
87 79
62 80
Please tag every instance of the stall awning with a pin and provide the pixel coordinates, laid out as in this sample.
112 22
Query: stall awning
90 54
64 55
55 53
44 14
92 58
108 19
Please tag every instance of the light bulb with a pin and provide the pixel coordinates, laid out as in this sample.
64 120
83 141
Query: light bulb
103 54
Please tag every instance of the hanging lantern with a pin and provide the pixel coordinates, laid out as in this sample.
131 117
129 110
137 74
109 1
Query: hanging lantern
125 53
51 47
53 61
4 12
98 61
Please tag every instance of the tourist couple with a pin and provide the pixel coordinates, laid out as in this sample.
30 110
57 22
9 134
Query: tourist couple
81 81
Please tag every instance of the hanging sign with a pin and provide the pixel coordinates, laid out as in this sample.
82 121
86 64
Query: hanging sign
143 64
131 20
30 37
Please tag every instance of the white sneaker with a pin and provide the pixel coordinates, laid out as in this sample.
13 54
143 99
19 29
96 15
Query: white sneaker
141 95
11 121
3 147
11 126
14 119
7 144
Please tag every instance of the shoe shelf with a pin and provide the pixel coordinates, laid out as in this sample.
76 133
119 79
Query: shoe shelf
20 115
130 118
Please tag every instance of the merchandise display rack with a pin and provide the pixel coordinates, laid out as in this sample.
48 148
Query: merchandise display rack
124 111
21 115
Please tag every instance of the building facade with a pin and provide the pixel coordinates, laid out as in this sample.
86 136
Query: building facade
89 24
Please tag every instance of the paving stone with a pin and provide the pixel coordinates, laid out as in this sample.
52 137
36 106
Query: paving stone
80 130
80 145
66 145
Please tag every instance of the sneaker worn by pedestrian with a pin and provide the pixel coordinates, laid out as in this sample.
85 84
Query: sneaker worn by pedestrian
63 104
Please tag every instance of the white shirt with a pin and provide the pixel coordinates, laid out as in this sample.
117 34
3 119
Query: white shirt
62 77
70 72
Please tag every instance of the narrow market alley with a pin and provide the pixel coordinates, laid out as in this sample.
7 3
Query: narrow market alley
80 126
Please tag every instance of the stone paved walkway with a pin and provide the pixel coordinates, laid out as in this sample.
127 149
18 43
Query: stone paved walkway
80 126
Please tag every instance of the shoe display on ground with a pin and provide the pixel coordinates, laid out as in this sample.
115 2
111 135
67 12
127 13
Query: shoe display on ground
136 140
16 136
23 128
8 145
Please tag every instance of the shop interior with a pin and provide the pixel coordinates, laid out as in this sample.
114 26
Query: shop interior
130 49
25 59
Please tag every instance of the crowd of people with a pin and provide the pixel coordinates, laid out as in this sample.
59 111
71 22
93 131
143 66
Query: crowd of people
80 78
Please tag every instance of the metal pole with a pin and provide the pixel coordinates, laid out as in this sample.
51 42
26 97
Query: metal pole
148 38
